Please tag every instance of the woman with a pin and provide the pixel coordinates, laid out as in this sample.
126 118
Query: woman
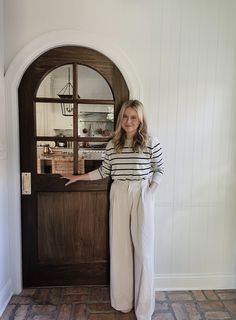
134 161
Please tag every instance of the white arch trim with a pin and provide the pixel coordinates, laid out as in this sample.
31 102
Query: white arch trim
13 77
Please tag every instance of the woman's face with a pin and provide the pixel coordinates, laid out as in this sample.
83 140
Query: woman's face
130 122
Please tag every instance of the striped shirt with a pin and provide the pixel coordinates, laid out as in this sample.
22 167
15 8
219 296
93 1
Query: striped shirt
130 165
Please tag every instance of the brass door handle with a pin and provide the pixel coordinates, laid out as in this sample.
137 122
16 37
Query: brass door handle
26 183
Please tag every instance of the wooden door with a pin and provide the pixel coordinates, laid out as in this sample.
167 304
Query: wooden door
65 237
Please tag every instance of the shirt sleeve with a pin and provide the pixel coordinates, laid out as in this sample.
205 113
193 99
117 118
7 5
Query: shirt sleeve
104 170
157 163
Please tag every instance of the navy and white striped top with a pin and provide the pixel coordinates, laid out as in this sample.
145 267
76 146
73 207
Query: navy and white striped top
130 165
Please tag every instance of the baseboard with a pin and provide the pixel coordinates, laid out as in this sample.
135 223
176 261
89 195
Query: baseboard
5 296
194 281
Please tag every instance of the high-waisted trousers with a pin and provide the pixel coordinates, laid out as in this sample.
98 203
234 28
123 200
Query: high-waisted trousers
132 247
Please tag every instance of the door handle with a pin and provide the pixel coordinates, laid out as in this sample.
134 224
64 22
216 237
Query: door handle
26 183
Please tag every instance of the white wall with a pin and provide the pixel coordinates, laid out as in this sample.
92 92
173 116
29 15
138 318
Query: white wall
5 283
184 53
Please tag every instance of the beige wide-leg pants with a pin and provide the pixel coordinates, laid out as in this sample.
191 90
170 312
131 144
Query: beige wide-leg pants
132 247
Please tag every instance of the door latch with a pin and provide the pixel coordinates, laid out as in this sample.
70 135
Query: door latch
26 183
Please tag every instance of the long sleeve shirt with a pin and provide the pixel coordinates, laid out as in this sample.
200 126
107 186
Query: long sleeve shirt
130 165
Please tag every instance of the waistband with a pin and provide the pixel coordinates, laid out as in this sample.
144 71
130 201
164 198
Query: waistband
143 182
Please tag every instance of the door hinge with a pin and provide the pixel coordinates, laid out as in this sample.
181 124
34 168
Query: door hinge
26 183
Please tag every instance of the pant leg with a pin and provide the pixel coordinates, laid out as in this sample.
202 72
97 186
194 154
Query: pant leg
142 229
121 248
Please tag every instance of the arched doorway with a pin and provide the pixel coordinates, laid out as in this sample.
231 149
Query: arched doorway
65 229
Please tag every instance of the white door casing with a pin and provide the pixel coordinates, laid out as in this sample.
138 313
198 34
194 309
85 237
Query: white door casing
12 80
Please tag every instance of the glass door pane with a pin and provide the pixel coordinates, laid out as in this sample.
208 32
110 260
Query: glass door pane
57 159
50 120
91 85
58 81
95 120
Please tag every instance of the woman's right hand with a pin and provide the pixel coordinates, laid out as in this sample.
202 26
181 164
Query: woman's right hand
73 178
70 177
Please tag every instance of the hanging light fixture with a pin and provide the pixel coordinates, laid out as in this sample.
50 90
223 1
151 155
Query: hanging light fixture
67 93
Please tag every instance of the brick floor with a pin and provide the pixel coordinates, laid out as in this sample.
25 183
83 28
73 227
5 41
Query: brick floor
93 303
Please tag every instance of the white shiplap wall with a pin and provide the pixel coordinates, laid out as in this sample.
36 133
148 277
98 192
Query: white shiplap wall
184 53
196 120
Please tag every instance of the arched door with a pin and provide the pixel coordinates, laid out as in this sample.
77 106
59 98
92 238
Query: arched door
69 98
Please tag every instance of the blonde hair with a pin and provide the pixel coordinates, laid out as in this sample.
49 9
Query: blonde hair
141 137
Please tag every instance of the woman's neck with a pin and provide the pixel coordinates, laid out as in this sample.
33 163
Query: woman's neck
129 136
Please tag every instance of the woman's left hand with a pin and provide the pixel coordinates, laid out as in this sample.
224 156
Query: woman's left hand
153 186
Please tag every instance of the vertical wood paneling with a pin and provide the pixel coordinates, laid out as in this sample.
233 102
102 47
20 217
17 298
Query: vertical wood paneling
180 241
168 95
228 52
215 235
196 83
163 243
204 107
197 240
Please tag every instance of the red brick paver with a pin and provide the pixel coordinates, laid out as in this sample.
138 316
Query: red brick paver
93 303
